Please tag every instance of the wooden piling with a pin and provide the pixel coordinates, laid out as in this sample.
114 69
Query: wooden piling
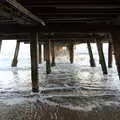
53 54
44 52
40 54
110 54
92 61
101 57
0 45
15 59
71 52
48 66
116 47
102 49
34 48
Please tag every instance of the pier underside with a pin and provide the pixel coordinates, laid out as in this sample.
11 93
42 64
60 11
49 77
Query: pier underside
60 83
67 23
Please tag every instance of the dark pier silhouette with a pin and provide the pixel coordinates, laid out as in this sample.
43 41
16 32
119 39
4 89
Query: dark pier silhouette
67 23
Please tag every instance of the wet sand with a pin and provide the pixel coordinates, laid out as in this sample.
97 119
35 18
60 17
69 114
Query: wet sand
71 92
41 111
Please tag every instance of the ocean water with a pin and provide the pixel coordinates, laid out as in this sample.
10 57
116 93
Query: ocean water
75 86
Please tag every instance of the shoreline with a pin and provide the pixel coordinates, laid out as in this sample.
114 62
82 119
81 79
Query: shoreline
43 111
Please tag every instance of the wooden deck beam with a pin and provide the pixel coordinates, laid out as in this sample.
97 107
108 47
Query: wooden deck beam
24 11
78 27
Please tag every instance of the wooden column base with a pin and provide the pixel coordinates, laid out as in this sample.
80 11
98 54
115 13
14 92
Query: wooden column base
48 68
14 63
53 63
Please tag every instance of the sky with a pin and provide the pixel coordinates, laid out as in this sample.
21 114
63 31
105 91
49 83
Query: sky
8 48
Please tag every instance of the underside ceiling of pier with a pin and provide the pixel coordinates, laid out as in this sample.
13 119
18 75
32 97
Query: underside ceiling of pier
61 16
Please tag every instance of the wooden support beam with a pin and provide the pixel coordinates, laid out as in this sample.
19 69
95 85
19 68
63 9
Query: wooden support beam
15 59
110 54
71 52
53 54
68 28
101 57
92 61
24 11
116 46
48 66
81 27
40 54
0 45
13 28
34 61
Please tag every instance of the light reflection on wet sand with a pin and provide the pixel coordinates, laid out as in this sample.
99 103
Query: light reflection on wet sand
63 94
39 111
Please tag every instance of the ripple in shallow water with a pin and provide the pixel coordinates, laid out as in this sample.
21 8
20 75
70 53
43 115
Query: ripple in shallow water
74 85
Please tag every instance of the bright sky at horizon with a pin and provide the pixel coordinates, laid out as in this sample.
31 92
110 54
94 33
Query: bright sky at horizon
8 48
